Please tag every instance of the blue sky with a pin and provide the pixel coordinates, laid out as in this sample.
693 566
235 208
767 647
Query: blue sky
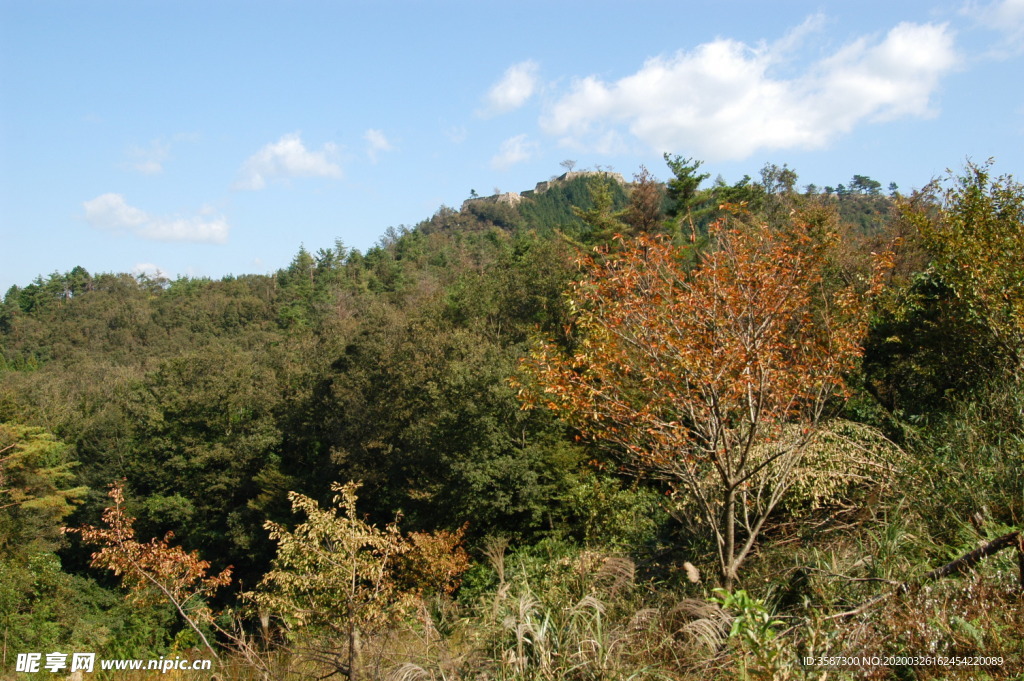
216 137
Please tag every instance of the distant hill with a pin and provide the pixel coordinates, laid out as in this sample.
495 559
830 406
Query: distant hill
551 205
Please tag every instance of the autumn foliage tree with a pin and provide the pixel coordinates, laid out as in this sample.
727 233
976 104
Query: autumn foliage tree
644 214
713 378
154 570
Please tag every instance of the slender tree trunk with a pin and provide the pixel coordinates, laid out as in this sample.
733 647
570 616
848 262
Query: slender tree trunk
728 551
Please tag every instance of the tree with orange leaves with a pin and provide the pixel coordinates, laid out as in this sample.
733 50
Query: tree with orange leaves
712 377
154 569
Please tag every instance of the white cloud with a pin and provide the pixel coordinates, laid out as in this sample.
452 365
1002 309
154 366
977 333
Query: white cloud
1002 14
513 150
721 100
212 231
1005 17
110 212
149 270
513 90
285 158
377 143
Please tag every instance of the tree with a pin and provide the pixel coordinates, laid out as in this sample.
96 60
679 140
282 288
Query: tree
35 491
714 379
603 219
40 606
332 577
974 231
682 189
338 578
743 195
778 181
296 286
778 192
205 443
956 293
568 164
154 569
862 184
644 214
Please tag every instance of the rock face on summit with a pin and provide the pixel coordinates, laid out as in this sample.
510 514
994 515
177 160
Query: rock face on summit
572 175
514 198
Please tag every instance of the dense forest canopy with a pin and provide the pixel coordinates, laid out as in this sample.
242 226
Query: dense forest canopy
609 429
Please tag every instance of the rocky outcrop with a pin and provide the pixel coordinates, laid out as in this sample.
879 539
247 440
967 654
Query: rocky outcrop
515 198
567 177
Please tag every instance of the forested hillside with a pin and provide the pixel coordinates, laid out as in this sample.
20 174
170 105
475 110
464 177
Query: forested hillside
691 429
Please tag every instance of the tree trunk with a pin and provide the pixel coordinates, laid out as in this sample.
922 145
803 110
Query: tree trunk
355 653
728 550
